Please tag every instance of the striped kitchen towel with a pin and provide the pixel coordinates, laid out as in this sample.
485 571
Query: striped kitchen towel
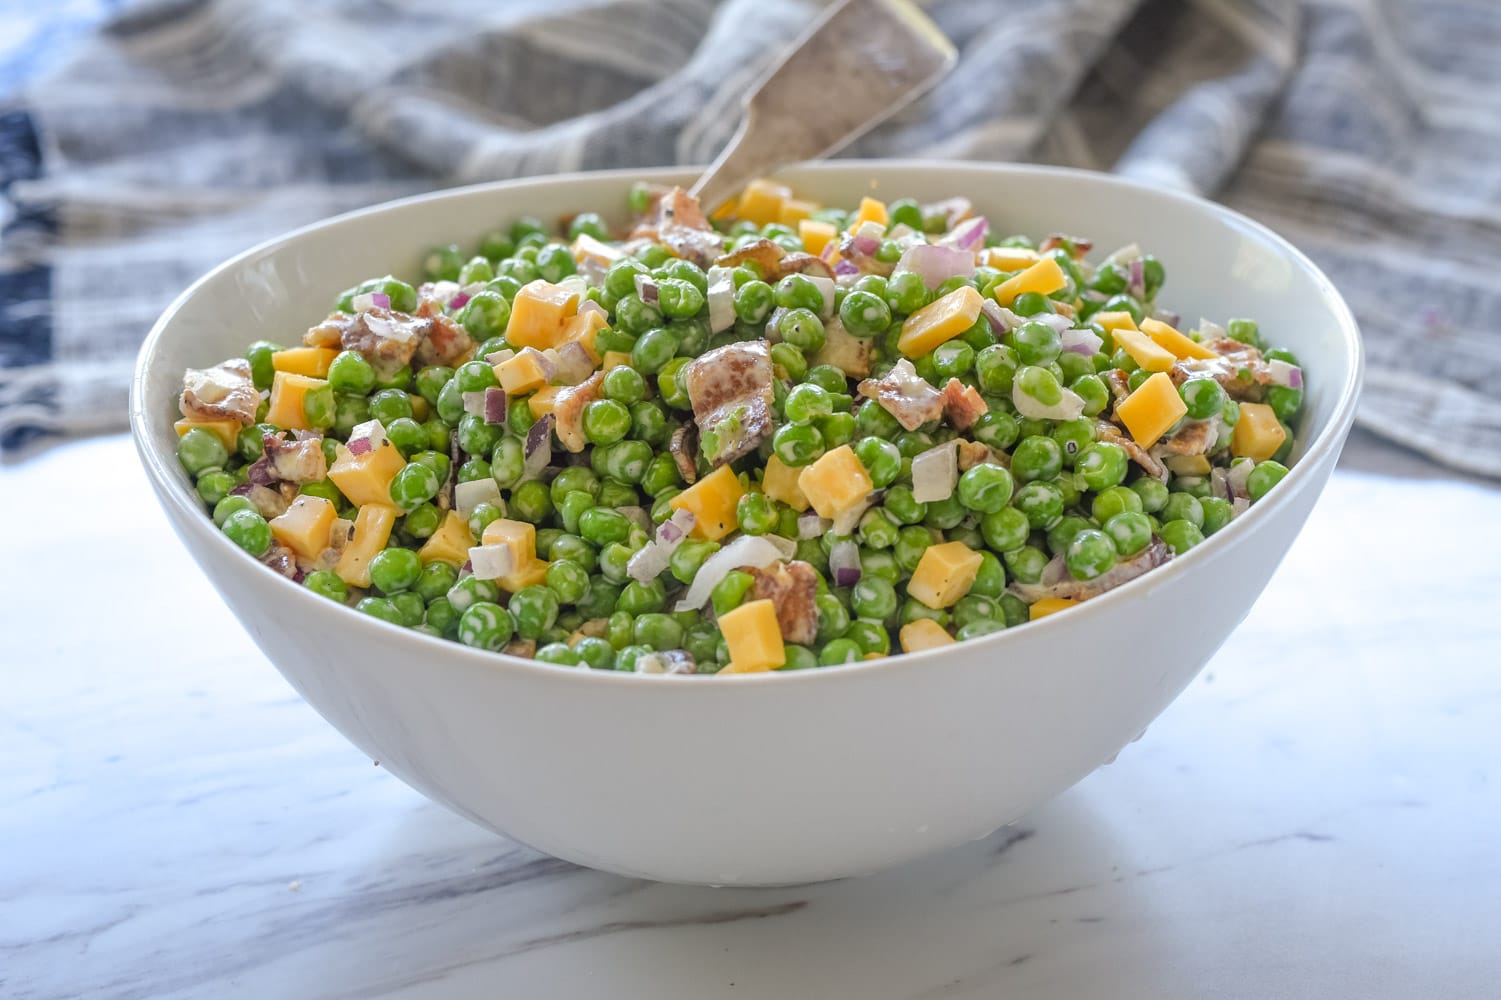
177 133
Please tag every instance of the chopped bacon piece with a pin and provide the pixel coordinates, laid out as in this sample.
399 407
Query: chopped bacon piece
730 388
1078 245
223 392
1149 558
384 338
962 404
793 588
300 461
803 263
445 342
680 226
568 409
1240 369
973 453
683 448
1115 379
765 254
1195 437
1106 431
905 395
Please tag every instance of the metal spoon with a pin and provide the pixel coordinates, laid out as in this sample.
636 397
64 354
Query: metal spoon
854 67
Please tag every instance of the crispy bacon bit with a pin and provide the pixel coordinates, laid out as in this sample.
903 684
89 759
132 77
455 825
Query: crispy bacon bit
803 263
524 648
905 395
1106 431
223 392
730 388
1149 558
1078 245
1195 437
962 404
281 559
680 226
268 502
683 448
1240 369
845 351
973 453
1116 380
300 461
384 338
445 342
793 588
765 254
568 408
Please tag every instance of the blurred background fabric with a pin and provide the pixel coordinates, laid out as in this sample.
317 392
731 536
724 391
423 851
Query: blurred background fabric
142 143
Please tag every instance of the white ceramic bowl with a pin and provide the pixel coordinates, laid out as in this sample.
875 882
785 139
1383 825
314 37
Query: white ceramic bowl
772 778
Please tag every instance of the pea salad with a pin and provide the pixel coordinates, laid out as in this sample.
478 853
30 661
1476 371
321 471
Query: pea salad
785 437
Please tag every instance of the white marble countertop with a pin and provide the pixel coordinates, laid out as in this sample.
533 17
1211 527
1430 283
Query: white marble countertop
1313 818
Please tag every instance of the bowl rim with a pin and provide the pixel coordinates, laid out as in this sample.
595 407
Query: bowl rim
456 655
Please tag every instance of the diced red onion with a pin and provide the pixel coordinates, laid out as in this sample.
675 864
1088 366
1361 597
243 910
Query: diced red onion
491 562
1283 373
1067 408
936 264
826 289
676 527
538 449
810 525
1239 506
474 402
1210 330
1057 321
572 362
500 356
1001 318
1219 484
646 288
459 301
1238 478
495 405
1137 285
867 239
845 269
721 299
935 472
1166 316
371 300
967 235
844 563
1054 572
441 292
545 362
1085 342
467 496
756 551
366 437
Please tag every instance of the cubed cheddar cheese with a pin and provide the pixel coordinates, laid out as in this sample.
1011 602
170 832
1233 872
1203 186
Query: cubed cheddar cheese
761 201
304 526
712 501
518 536
780 483
1144 350
816 234
1045 606
450 543
522 372
530 575
1009 258
1187 465
836 483
1151 409
1113 321
1257 433
287 392
542 401
944 574
1044 277
584 328
225 430
1171 340
372 529
939 321
587 247
538 313
616 359
923 633
366 478
312 361
871 210
754 638
795 210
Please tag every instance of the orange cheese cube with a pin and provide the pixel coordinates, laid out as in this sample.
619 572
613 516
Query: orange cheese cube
587 247
754 638
450 543
871 210
523 372
1144 350
816 235
584 328
518 536
1187 465
1153 408
312 361
1170 340
1257 433
795 210
780 483
538 312
1045 606
530 575
226 430
1044 277
944 574
1113 321
287 391
372 529
836 483
761 201
712 500
616 359
1009 258
923 633
304 526
940 321
366 478
542 401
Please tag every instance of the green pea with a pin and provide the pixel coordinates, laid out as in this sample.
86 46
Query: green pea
1263 477
1102 465
531 502
658 632
756 514
567 580
350 373
906 292
623 384
653 349
1217 514
600 599
555 262
625 461
1092 389
435 580
1041 502
1130 531
996 429
903 507
636 317
262 369
642 598
1040 384
1204 397
1089 554
1031 304
486 625
401 378
905 212
1035 458
1125 303
1073 436
670 384
534 610
954 359
249 530
606 421
1026 563
873 597
393 570
805 402
408 435
485 315
945 514
1113 501
990 579
1153 493
382 608
473 470
870 636
600 526
228 506
1036 343
326 583
881 459
797 445
414 484
679 299
200 449
913 610
1181 535
572 507
689 557
865 313
1183 507
911 543
214 485
840 651
1244 330
986 488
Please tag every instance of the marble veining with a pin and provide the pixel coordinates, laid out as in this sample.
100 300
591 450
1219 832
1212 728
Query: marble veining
1313 818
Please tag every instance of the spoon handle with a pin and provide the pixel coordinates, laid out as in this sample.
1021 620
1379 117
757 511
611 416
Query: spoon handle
854 67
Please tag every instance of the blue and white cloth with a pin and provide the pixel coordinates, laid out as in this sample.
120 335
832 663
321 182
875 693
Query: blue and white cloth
179 132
